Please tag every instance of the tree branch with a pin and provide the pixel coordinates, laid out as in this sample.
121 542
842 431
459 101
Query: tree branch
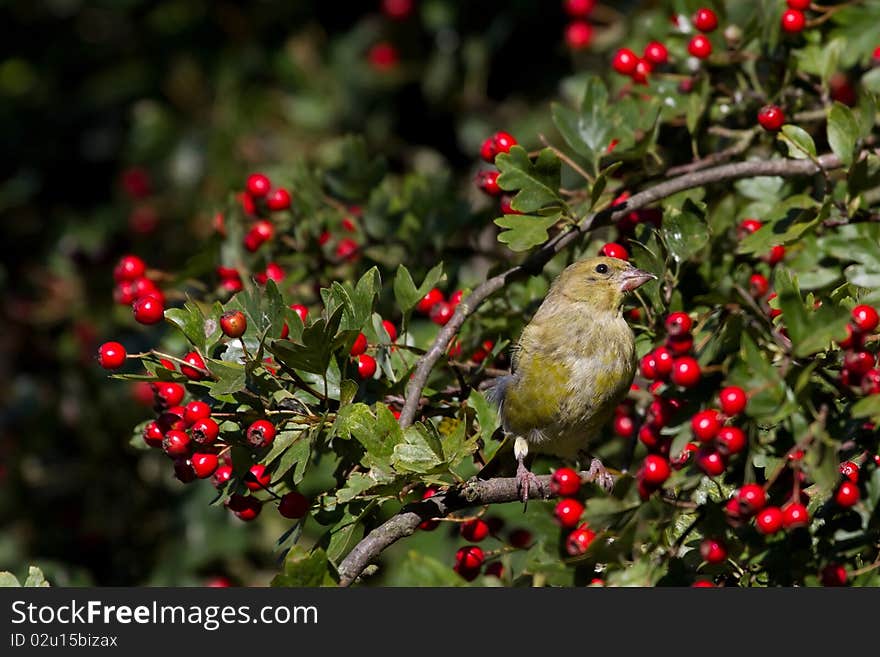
471 493
535 263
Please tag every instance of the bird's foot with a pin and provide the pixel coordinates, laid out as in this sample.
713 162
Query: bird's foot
598 474
524 480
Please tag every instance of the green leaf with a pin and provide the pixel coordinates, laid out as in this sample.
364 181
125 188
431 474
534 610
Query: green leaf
231 377
487 415
843 132
799 142
525 231
863 276
420 452
810 331
378 433
357 174
303 568
418 569
191 322
791 226
315 348
684 233
538 182
588 132
405 291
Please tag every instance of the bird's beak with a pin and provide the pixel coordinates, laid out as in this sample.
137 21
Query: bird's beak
633 278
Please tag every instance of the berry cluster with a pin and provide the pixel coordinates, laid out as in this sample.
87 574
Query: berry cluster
437 307
579 31
135 288
673 362
487 180
859 363
759 284
258 199
793 19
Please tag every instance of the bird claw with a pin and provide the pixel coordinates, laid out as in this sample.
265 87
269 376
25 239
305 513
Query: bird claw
524 480
599 475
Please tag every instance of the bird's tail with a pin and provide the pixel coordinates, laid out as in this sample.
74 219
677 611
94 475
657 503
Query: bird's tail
502 463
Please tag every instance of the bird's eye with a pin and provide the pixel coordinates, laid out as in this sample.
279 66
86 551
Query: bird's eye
602 269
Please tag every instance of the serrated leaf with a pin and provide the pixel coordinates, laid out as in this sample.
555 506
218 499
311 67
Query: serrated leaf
684 233
588 131
302 568
843 132
538 182
420 451
405 291
231 377
799 142
524 231
191 323
313 351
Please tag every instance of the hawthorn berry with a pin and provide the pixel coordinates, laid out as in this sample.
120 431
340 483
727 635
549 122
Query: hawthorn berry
260 434
801 5
520 538
749 226
293 505
148 310
713 551
500 142
847 494
793 21
244 507
366 366
711 462
397 9
643 70
433 297
168 394
505 205
194 368
429 524
700 47
865 318
300 310
665 362
771 117
655 470
233 323
705 20
390 329
111 355
686 372
648 366
776 255
578 541
565 482
656 53
650 437
487 181
858 362
680 345
359 345
257 477
474 530
204 431
578 35
850 470
795 515
456 297
706 424
625 61
469 557
204 464
196 410
278 200
258 185
576 8
495 569
733 400
153 434
833 575
624 426
183 470
221 476
759 286
175 443
731 440
129 268
441 313
614 250
383 56
678 324
751 498
347 249
568 512
769 520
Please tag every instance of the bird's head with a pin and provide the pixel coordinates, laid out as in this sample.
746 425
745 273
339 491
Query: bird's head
600 282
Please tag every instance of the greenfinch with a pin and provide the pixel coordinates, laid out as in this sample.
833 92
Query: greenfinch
572 365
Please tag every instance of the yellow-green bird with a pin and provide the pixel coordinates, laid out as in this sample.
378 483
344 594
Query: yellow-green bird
572 365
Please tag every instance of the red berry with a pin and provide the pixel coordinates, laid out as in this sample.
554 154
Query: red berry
383 56
129 268
347 249
650 437
776 255
656 53
678 324
665 362
731 440
769 520
366 365
257 477
833 575
278 200
194 368
700 47
795 515
771 117
711 462
686 372
577 8
244 507
503 142
204 464
643 70
300 310
168 394
520 538
793 21
847 494
680 345
659 413
625 61
850 470
183 470
565 482
153 434
871 382
702 584
578 35
655 470
751 499
233 323
196 410
441 313
221 476
495 569
578 541
258 185
204 431
749 226
428 525
359 346
175 443
733 400
469 557
713 551
397 10
429 300
390 329
474 530
705 20
260 434
148 310
624 426
706 424
648 366
759 286
802 5
293 505
456 297
111 355
488 182
865 318
568 512
613 250
858 362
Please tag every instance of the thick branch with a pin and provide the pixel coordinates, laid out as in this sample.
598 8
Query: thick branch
468 494
536 262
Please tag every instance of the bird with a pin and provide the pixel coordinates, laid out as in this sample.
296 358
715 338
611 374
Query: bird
573 363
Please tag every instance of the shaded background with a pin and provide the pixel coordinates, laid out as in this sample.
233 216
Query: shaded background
124 124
